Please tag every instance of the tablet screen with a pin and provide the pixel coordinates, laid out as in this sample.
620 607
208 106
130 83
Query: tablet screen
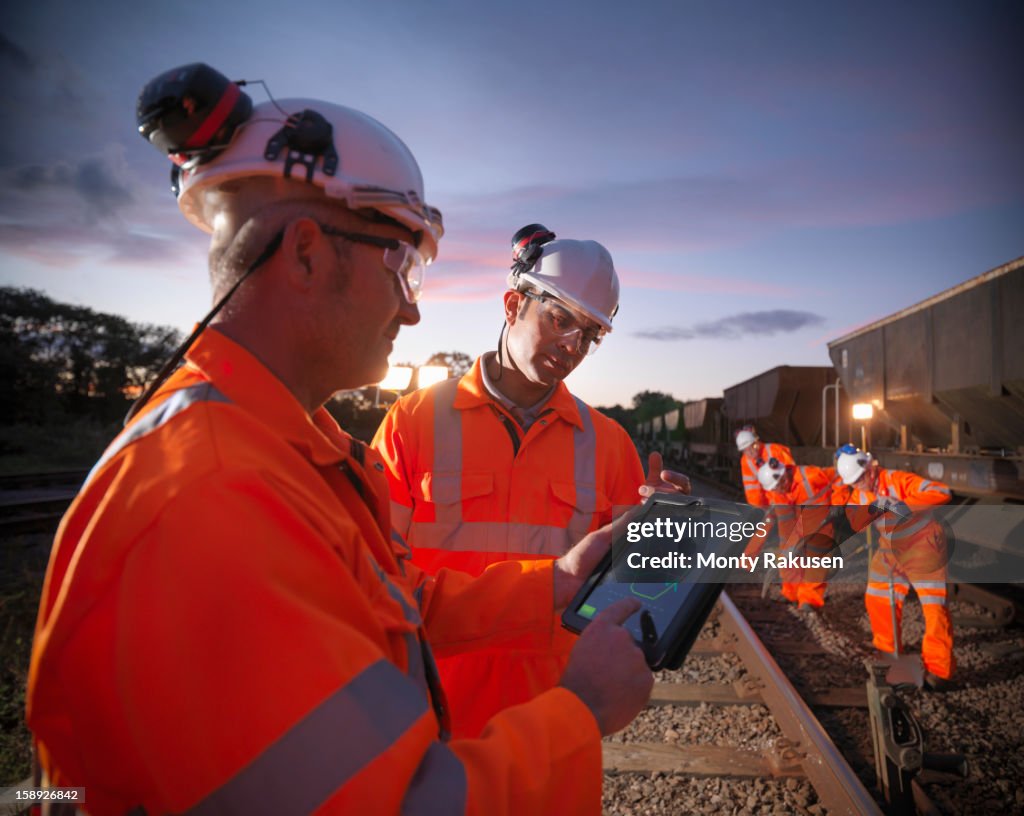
673 558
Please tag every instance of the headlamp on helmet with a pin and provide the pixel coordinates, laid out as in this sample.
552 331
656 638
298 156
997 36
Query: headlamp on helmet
212 132
852 466
771 473
745 437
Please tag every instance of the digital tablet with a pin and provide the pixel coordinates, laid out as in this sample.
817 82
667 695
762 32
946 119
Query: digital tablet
674 557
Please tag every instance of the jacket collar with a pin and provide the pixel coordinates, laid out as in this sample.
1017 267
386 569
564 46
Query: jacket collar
471 393
244 380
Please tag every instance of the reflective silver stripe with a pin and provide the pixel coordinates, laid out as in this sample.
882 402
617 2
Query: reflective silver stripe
807 484
448 447
449 532
411 613
884 593
163 413
493 536
934 487
405 554
414 657
439 785
913 528
401 516
932 600
929 585
584 454
413 645
303 767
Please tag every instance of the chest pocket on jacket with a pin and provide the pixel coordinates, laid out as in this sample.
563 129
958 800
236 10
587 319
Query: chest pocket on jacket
437 514
587 503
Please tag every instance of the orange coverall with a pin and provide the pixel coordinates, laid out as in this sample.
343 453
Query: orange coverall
800 512
469 489
751 486
229 625
915 551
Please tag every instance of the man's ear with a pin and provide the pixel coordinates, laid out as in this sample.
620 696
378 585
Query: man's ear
513 301
307 252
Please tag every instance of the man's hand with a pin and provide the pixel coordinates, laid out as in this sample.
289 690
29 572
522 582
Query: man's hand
607 670
573 568
662 481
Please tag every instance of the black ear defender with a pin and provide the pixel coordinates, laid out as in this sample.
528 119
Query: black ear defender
190 114
528 246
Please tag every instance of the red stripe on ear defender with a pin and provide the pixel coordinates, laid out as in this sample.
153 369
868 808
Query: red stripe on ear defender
213 122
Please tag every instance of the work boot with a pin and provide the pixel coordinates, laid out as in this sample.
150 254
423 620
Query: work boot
932 682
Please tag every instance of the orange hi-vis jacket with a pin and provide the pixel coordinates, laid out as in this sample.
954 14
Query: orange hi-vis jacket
469 488
751 486
228 625
801 512
914 551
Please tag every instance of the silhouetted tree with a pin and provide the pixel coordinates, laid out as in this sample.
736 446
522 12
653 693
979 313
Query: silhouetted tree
56 358
458 363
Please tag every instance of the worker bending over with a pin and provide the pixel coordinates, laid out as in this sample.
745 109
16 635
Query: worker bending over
754 454
800 497
911 552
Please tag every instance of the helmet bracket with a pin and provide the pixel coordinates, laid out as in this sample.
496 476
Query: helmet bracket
308 137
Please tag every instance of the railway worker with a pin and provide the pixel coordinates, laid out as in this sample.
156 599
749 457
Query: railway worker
912 552
753 455
228 624
801 498
506 463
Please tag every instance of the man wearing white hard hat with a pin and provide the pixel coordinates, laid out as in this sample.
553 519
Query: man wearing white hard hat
228 623
912 552
505 463
754 454
801 497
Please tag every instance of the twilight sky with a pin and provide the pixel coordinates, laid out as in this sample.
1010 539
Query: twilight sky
767 176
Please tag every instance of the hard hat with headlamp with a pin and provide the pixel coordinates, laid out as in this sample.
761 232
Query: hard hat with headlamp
214 137
213 134
745 437
852 466
771 474
579 273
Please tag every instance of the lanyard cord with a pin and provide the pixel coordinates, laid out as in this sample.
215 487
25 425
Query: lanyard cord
169 367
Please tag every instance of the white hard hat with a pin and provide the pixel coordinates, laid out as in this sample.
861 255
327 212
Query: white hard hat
851 466
771 473
581 273
350 156
745 437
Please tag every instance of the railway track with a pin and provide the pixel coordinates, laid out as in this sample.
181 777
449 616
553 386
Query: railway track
36 502
727 734
802 750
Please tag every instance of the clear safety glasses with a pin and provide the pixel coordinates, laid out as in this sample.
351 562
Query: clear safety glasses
560 320
400 257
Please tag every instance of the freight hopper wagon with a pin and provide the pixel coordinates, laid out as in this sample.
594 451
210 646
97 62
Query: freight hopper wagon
798 406
946 380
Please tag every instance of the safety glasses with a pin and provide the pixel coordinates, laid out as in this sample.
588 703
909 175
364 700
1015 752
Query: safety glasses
400 257
560 320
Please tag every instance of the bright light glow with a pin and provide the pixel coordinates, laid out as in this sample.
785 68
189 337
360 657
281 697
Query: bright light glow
863 410
430 374
397 378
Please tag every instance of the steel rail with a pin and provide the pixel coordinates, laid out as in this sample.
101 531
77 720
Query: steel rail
837 786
